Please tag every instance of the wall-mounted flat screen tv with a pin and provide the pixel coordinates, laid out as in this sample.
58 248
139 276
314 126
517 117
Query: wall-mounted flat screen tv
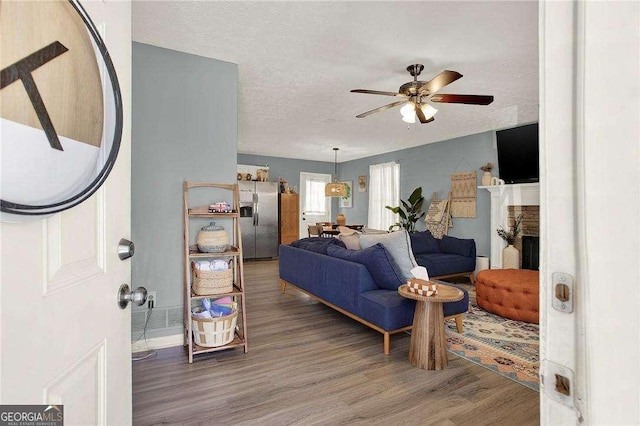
518 154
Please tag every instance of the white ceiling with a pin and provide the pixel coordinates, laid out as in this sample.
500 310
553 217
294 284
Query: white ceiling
298 61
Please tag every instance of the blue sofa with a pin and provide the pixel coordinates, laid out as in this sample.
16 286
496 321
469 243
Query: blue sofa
362 284
446 257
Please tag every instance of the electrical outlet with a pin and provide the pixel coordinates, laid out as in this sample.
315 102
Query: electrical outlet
152 300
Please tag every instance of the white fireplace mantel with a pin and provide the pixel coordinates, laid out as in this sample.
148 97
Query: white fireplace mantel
503 196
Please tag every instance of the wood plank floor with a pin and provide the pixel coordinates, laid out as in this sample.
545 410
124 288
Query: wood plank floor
308 364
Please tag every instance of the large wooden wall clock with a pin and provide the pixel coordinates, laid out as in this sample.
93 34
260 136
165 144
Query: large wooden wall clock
60 107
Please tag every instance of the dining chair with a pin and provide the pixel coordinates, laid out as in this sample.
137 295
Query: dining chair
314 230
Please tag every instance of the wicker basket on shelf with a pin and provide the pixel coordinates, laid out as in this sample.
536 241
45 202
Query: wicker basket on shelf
211 282
212 239
213 332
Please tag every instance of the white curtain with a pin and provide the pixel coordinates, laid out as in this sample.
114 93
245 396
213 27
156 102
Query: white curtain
315 202
384 190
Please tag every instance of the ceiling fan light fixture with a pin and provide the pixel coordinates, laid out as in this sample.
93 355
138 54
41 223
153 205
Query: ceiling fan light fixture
428 111
408 110
335 188
409 118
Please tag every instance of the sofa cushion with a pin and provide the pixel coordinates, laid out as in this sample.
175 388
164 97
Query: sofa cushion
423 243
386 309
459 307
317 244
399 246
378 261
389 310
459 246
445 264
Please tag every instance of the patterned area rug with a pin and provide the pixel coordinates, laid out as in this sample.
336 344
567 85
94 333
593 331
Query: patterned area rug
508 347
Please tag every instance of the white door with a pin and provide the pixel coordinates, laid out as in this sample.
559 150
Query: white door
314 206
63 339
590 204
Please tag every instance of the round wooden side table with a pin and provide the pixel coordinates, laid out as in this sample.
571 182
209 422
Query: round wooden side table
428 349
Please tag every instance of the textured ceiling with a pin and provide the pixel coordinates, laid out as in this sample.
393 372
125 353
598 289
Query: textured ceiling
298 61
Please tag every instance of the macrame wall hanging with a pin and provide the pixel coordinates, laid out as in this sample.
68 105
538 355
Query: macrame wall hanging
463 194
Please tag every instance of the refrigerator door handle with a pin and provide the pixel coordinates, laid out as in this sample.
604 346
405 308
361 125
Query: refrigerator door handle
256 217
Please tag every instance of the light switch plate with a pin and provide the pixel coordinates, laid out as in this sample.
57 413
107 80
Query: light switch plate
566 304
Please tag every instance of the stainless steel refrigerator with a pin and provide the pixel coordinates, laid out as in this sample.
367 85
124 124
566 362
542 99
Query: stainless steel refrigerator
259 219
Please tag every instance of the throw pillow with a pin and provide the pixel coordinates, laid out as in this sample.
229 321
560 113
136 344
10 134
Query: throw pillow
346 231
351 241
350 237
423 243
378 261
399 246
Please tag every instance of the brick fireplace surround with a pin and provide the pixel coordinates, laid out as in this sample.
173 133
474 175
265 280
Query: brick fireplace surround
530 223
507 202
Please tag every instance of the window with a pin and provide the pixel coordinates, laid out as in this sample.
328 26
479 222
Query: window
384 190
315 202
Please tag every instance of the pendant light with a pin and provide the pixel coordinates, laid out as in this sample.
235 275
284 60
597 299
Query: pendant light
335 188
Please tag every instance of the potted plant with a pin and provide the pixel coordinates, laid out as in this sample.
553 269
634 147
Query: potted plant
410 211
510 254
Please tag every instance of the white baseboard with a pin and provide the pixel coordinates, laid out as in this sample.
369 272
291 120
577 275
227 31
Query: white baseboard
158 343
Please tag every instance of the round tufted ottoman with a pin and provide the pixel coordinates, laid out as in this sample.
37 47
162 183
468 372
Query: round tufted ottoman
510 293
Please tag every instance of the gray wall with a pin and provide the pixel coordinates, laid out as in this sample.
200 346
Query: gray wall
429 166
289 169
184 128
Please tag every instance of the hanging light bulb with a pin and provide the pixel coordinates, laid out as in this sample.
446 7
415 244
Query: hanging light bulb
335 188
428 111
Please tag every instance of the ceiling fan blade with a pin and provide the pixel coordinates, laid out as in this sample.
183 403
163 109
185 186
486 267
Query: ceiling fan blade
439 81
382 108
462 99
422 117
378 92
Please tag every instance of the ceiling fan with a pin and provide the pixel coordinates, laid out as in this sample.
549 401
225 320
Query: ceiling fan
415 94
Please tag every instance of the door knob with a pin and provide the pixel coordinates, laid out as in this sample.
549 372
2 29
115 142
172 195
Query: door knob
125 249
125 295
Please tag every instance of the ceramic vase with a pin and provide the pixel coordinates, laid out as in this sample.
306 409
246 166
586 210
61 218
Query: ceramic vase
510 257
486 179
482 263
341 220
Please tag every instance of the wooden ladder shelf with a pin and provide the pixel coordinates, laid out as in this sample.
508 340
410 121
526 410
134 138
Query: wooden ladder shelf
232 252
